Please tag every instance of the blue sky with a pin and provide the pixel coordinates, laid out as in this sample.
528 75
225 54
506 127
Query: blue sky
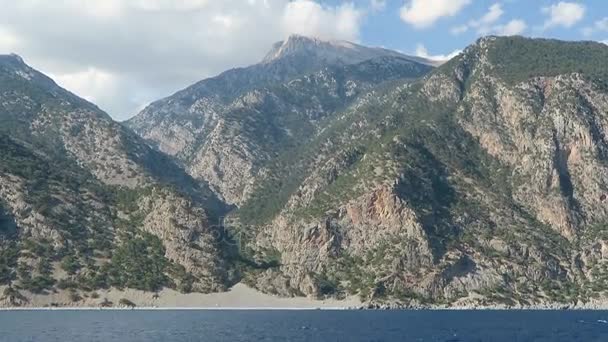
123 54
386 28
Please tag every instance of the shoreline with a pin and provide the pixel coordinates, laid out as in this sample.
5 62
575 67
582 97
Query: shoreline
143 308
262 308
239 297
243 298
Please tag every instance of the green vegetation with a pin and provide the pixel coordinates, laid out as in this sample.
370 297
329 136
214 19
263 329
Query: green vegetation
183 281
290 168
70 264
595 232
75 296
94 229
126 199
7 224
328 285
13 295
440 170
35 275
300 150
517 59
42 281
403 134
9 254
56 190
139 262
350 271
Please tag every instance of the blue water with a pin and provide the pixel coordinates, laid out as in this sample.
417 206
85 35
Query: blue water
209 326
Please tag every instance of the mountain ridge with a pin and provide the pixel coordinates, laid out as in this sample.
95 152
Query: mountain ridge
79 187
441 146
278 66
480 182
188 124
340 51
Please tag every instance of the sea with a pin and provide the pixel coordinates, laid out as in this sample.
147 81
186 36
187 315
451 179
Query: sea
301 325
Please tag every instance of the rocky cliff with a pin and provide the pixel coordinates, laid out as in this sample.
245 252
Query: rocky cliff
349 171
482 183
77 189
226 129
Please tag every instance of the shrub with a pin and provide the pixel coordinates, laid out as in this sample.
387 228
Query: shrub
70 264
126 302
139 262
75 297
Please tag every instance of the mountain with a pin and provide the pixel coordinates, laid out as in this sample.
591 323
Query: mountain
339 170
226 129
86 203
321 53
479 182
482 183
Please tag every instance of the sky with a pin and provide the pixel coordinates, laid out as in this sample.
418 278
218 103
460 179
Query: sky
123 54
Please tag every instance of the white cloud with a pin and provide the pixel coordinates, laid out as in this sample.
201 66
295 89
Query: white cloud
421 51
598 26
602 24
424 13
460 29
8 41
115 8
90 82
310 18
513 27
104 87
377 5
164 5
605 41
483 24
123 53
487 24
494 13
564 14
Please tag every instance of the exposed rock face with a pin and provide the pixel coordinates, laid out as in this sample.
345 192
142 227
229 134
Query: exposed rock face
226 129
66 167
481 183
331 52
556 148
188 236
96 144
353 171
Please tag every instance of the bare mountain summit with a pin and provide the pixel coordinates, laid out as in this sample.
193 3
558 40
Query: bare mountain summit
332 52
227 128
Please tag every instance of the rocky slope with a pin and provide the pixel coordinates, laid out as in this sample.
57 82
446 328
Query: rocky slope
351 170
320 53
80 194
483 183
225 129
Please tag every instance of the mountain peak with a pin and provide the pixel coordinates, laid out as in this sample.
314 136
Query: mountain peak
295 44
297 40
11 58
14 64
329 51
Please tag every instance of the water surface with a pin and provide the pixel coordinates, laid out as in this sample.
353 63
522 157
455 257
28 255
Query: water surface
162 325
